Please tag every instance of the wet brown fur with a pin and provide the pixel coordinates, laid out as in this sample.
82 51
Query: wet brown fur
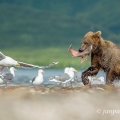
105 56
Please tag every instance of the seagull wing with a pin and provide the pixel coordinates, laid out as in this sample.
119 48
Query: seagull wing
33 79
5 70
65 76
2 56
50 65
7 76
26 65
62 77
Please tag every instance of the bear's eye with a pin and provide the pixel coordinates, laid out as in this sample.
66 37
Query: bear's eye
85 43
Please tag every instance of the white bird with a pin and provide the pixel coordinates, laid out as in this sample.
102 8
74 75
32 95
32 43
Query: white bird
78 80
61 78
116 83
6 61
71 72
1 81
39 78
65 77
101 79
7 74
95 80
66 70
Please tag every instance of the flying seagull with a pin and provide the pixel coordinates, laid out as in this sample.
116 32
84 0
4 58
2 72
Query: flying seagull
6 61
39 78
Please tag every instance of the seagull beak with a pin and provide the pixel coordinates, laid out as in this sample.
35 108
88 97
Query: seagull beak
43 72
17 64
94 78
75 71
99 79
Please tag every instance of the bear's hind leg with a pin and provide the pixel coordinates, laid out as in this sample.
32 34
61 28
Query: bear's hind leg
110 77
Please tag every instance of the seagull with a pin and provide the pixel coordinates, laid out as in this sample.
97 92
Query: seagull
66 70
65 77
7 74
1 81
39 78
100 78
95 80
71 72
116 83
77 80
6 61
61 78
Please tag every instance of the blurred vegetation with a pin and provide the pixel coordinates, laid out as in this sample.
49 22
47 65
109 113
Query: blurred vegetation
37 26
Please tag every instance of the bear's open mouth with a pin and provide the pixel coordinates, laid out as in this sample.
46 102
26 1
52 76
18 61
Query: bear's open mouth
80 53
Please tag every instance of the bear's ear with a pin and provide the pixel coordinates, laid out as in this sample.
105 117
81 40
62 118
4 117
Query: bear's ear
98 33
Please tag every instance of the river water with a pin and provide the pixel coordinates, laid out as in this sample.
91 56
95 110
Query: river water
23 76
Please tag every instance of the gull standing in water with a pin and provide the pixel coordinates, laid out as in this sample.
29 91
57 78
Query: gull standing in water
95 80
64 78
60 79
7 74
77 80
39 78
71 74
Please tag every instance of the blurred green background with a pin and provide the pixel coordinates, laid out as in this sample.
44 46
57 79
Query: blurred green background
40 31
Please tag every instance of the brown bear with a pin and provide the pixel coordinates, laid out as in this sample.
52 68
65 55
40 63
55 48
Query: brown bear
105 55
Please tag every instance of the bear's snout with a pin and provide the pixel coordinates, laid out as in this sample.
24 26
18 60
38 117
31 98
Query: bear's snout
80 50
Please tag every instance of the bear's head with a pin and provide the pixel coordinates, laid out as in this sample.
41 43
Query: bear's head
90 41
89 44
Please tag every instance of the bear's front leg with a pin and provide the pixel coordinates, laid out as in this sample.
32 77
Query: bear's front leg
91 71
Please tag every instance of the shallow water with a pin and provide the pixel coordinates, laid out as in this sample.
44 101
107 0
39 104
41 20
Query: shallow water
23 76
